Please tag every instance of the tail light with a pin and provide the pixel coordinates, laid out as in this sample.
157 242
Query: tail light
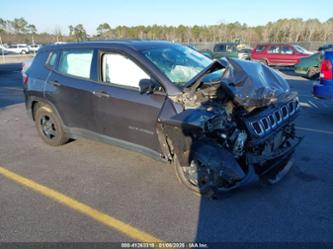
25 79
24 75
326 70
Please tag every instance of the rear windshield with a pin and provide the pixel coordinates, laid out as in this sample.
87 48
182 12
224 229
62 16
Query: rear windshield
225 48
300 49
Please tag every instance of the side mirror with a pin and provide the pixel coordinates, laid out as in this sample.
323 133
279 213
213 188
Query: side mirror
147 86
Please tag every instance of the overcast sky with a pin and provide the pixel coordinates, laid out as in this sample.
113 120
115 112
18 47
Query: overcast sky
47 15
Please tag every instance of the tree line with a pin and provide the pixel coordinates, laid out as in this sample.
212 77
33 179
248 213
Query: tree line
283 30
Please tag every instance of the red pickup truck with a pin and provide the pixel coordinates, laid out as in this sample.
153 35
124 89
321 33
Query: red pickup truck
279 54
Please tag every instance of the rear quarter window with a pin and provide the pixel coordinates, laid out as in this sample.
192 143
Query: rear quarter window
274 49
52 59
286 50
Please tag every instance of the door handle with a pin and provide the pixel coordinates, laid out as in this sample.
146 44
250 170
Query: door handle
55 82
101 94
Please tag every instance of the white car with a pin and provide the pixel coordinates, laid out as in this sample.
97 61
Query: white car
244 54
18 48
33 48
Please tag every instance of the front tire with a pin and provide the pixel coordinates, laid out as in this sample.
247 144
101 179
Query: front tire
195 177
49 127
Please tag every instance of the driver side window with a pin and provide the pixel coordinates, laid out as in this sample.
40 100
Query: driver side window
120 70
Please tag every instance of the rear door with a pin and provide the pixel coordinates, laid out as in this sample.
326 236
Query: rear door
287 55
70 87
121 111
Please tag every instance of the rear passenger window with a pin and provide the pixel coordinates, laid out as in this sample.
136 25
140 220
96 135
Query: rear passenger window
52 59
274 50
76 62
286 50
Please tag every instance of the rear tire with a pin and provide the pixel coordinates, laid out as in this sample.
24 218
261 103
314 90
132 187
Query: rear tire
49 126
312 73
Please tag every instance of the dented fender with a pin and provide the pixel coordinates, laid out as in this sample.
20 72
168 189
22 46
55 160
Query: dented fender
220 160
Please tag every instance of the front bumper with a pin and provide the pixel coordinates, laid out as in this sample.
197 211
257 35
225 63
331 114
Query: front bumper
323 91
272 167
276 164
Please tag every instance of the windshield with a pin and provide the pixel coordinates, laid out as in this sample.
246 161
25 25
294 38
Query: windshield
178 63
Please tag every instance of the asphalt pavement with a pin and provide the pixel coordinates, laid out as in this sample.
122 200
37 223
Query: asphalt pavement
10 84
145 193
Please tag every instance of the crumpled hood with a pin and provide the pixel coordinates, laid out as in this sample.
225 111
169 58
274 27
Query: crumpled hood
252 84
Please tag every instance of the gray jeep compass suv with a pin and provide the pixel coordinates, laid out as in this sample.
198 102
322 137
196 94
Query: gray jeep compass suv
222 123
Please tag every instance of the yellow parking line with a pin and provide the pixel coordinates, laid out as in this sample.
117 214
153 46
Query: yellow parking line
107 220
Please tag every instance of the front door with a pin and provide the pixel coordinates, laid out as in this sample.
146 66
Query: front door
121 112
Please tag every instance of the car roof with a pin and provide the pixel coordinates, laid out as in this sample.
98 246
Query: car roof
276 43
226 43
133 44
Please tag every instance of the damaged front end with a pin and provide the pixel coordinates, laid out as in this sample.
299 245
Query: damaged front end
232 129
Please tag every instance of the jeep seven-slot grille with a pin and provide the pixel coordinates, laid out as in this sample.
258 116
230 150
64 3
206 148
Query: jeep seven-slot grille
265 124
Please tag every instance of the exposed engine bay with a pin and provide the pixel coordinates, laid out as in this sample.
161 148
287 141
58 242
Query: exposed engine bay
235 128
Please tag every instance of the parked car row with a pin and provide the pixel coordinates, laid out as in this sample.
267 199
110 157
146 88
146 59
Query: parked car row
279 54
20 48
306 63
5 52
311 65
271 54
